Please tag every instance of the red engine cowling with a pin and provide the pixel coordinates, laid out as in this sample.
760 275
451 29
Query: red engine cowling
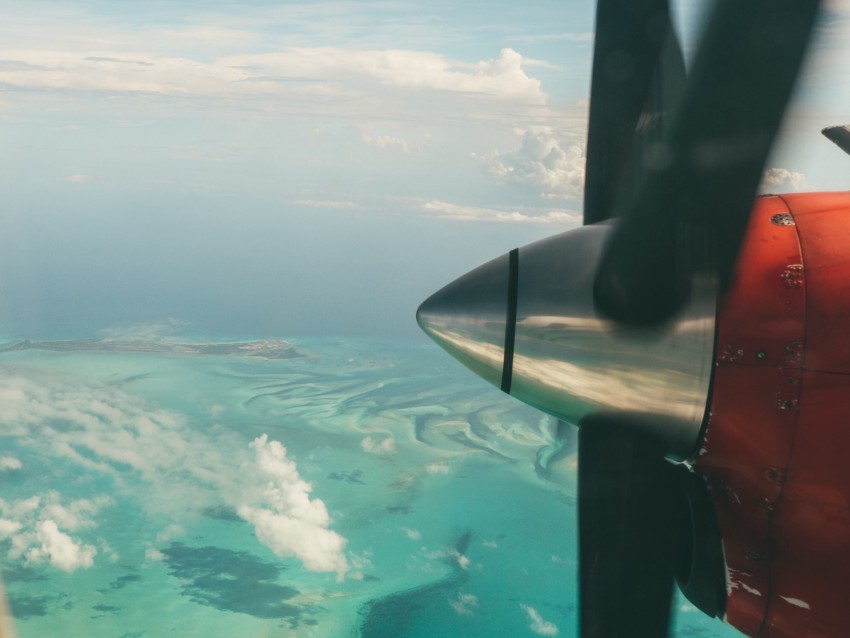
776 451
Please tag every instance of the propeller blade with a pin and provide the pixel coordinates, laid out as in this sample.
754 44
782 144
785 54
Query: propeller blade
840 135
630 531
638 76
690 214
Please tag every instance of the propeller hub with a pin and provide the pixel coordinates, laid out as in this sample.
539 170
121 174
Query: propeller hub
527 323
468 318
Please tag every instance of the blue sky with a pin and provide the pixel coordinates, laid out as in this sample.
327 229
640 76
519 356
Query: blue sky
298 168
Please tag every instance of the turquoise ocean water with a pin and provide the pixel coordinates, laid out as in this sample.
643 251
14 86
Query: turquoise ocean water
366 488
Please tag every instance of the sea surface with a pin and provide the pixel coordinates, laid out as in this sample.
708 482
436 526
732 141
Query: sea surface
331 488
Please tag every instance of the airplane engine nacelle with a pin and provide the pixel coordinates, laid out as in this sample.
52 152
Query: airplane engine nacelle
776 450
754 394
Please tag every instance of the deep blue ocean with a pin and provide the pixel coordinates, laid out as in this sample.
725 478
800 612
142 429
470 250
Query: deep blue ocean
176 486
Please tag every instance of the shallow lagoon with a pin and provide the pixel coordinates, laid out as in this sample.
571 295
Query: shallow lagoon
426 503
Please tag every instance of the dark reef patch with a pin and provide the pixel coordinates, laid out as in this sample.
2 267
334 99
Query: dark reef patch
122 581
391 616
222 513
353 477
131 379
22 574
28 606
232 581
462 543
106 608
420 425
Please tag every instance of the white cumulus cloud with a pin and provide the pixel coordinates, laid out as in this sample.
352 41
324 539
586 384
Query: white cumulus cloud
462 560
382 447
154 555
286 519
456 212
170 532
105 431
77 178
501 77
60 549
9 463
76 515
464 604
329 203
33 526
437 468
544 161
393 143
412 534
782 180
298 72
8 527
537 624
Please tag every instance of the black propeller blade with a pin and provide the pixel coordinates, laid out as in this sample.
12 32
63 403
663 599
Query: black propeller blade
631 38
630 512
690 214
839 135
631 517
685 191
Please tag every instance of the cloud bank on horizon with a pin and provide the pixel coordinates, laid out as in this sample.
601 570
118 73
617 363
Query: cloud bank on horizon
299 74
229 145
292 62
